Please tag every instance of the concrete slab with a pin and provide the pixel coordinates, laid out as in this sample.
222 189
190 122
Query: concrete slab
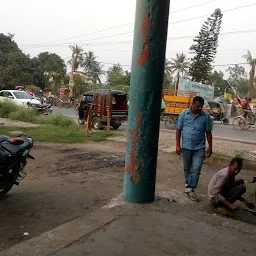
158 233
61 236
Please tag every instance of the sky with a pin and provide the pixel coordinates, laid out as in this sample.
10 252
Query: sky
106 27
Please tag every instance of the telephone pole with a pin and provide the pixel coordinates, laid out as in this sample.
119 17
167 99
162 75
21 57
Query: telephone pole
149 48
71 79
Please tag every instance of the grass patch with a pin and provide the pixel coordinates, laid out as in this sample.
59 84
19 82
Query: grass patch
99 136
55 119
53 128
56 134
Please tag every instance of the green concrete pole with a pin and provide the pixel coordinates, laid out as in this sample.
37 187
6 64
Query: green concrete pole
149 48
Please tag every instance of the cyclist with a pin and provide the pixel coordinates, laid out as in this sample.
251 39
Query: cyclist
245 102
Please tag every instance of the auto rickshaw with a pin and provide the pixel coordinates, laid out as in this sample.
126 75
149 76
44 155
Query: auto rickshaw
100 102
218 112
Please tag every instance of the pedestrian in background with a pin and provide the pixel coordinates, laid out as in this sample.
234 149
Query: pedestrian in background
193 126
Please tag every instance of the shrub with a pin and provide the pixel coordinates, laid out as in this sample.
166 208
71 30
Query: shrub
24 114
13 111
34 88
7 107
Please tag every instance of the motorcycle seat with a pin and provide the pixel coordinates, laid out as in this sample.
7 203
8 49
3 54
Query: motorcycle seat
4 138
43 105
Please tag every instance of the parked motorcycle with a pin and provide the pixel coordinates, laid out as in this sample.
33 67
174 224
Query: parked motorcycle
41 108
14 153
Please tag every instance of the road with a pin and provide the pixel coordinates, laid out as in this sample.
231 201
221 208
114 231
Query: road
218 130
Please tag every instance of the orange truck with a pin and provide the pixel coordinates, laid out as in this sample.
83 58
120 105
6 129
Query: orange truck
177 101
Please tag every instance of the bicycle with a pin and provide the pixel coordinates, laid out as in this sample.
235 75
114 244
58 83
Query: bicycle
241 122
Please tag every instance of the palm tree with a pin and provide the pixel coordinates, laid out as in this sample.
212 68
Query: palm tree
92 67
167 66
179 65
77 57
252 62
97 72
89 62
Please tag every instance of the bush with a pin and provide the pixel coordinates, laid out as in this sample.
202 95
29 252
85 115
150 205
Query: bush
34 88
24 114
7 107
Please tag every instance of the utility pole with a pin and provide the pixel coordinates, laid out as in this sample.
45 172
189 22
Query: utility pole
149 48
71 80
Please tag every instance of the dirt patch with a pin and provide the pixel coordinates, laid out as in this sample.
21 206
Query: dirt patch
61 184
65 182
13 123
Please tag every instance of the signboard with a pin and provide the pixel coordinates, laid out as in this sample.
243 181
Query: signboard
206 91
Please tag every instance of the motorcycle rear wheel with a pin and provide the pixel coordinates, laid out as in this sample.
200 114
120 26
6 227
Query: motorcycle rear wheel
4 191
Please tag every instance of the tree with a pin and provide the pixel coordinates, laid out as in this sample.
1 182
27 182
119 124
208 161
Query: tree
52 66
97 72
179 66
77 56
89 62
92 67
116 76
167 67
218 81
168 82
252 62
15 66
204 48
238 79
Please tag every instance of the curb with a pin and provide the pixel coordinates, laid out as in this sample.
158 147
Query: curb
123 140
62 236
221 138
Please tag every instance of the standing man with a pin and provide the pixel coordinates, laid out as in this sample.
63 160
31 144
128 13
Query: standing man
193 126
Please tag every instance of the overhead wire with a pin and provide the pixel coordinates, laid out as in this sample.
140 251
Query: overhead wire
129 42
88 40
126 24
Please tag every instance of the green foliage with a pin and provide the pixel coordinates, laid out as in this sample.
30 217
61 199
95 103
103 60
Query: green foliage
52 68
55 119
178 66
238 78
25 114
13 111
252 62
99 136
204 48
32 87
117 77
92 67
168 81
7 107
217 80
52 63
77 57
16 68
52 128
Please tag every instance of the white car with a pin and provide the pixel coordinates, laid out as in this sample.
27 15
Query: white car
19 97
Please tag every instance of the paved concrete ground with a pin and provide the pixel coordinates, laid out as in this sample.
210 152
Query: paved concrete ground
152 233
